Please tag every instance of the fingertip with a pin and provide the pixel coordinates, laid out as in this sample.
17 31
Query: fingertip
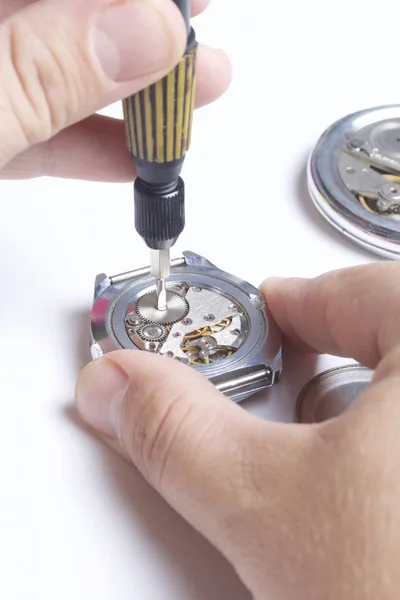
277 284
214 74
199 6
100 387
155 375
277 290
336 313
271 284
288 301
285 290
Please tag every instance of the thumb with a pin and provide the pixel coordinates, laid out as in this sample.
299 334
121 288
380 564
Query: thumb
351 312
59 67
188 440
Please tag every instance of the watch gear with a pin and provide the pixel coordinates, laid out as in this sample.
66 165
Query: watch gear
205 350
176 310
152 332
214 322
201 346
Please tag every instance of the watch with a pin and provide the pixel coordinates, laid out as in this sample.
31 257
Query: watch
214 322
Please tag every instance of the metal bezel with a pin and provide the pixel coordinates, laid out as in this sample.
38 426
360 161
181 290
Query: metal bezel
335 202
262 346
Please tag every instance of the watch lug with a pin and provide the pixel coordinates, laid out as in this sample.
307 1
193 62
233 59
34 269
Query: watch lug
196 260
96 351
101 283
99 279
257 301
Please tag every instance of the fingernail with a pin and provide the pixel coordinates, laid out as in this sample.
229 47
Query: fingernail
272 281
268 286
134 38
100 394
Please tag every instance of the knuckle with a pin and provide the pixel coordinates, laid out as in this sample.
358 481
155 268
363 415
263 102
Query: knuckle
44 88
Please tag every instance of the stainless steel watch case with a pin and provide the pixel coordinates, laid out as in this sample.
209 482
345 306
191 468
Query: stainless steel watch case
256 365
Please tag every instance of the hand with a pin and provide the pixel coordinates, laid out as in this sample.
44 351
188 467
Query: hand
63 61
302 512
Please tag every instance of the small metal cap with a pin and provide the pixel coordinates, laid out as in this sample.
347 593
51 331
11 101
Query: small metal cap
330 393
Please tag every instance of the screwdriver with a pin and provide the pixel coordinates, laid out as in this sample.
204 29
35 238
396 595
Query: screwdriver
158 125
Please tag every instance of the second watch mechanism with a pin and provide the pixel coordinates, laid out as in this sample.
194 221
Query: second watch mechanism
353 177
369 165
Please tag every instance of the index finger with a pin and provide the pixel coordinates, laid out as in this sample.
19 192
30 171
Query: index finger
198 6
354 313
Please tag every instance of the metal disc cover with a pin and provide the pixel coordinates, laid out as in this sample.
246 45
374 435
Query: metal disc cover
353 178
330 393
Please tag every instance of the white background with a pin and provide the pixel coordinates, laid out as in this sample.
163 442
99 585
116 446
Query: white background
76 522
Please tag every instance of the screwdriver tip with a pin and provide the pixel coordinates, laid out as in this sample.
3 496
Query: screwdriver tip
161 295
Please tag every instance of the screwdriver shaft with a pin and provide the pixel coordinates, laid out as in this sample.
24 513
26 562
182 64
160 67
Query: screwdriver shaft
160 270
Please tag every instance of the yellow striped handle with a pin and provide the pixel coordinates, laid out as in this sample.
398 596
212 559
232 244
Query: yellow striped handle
158 120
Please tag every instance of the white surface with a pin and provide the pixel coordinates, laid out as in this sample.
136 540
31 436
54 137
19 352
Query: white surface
76 522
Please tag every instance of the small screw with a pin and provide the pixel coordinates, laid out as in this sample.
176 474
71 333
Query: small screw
152 346
233 307
170 354
196 289
235 332
209 317
176 334
133 320
187 321
131 331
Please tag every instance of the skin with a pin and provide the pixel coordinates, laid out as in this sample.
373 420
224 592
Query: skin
300 511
